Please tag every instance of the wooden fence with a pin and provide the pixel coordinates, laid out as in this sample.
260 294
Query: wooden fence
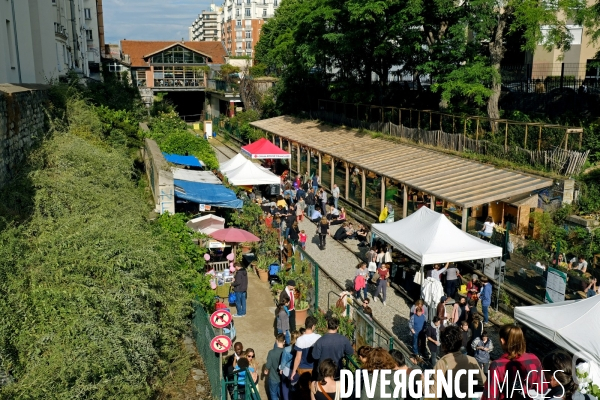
558 160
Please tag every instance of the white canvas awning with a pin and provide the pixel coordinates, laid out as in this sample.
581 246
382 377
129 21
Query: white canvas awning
195 176
572 325
233 163
429 237
207 224
251 174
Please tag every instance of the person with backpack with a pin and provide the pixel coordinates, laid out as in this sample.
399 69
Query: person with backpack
323 231
482 348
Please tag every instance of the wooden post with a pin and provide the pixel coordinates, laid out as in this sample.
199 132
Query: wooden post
580 139
566 140
332 175
453 125
273 138
465 135
477 133
364 190
419 120
506 138
298 157
382 192
432 202
441 115
320 165
404 201
465 217
540 139
347 189
308 161
399 116
430 121
280 142
525 144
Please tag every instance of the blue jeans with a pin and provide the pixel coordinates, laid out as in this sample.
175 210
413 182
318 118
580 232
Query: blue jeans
416 342
240 303
451 286
310 208
315 188
485 313
357 293
335 202
287 336
274 390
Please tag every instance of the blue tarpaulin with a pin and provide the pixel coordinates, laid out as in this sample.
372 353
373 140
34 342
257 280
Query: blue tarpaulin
190 161
207 193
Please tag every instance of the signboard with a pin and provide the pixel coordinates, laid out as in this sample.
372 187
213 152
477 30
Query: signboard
208 133
556 285
220 344
204 207
220 318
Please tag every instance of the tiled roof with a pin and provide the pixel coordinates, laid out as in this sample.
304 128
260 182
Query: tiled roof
137 49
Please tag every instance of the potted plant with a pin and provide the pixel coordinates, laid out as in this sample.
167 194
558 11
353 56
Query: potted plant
262 266
301 311
246 247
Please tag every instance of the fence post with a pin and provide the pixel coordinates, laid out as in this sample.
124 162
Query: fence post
525 144
580 139
316 309
540 139
441 115
477 133
391 343
566 139
419 120
562 74
506 138
465 135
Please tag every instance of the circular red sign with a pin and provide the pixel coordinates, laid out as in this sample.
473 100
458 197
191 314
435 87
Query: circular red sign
220 344
220 318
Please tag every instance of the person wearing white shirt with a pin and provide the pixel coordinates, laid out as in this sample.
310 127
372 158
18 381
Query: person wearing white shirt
488 228
437 272
578 264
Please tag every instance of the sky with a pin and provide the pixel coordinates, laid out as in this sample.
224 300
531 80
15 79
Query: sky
150 19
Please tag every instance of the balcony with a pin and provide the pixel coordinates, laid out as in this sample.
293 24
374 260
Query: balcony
219 85
179 83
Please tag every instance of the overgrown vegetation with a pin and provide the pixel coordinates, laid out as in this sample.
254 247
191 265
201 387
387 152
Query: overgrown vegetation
173 136
239 125
93 296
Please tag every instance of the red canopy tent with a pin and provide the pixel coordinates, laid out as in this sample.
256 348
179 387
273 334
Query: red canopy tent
263 149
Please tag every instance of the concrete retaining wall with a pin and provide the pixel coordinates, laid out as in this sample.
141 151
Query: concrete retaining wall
21 124
159 176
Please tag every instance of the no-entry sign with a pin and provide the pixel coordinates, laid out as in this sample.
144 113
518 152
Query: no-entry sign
220 318
220 344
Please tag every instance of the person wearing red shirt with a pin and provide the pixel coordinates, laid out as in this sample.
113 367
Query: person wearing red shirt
382 283
269 220
516 372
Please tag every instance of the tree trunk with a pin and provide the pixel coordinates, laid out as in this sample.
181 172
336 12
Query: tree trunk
497 50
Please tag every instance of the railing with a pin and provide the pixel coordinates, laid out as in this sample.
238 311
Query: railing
177 83
247 391
203 333
219 266
222 86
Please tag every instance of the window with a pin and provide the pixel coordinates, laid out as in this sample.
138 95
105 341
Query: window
576 31
275 3
11 44
54 2
238 35
89 35
239 53
264 12
248 45
88 13
238 23
247 1
248 12
248 23
237 12
248 35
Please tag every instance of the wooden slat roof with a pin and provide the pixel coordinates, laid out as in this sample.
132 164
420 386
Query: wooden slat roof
457 180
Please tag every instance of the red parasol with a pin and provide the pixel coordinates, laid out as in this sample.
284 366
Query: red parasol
234 235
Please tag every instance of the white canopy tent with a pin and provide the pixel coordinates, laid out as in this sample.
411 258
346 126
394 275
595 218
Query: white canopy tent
572 325
429 237
233 163
207 223
249 174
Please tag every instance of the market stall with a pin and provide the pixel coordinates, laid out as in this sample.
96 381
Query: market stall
263 149
206 194
251 174
572 325
206 224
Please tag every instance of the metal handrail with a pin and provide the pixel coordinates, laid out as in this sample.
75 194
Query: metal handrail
250 389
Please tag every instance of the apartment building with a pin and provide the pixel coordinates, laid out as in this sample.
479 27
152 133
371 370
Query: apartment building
242 21
207 27
26 42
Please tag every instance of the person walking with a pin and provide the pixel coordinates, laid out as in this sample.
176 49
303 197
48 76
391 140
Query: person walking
382 283
482 347
302 238
294 233
310 202
360 280
335 192
240 287
304 361
316 180
416 325
283 320
288 297
285 365
323 231
271 369
300 207
323 198
486 298
332 345
433 339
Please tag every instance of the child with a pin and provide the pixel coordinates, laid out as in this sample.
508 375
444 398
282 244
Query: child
283 319
302 237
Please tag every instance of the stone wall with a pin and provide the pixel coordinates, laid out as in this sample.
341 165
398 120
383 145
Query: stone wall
159 176
21 124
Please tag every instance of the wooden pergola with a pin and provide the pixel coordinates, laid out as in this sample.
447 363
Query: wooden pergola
459 181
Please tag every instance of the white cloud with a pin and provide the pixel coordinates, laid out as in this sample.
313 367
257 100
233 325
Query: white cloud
150 19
